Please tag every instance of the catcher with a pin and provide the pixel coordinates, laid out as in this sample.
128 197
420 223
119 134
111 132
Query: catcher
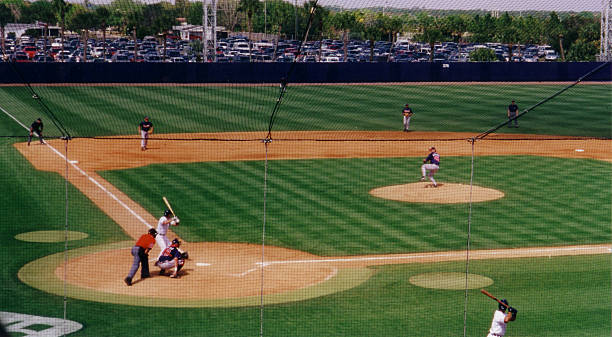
171 258
407 113
501 318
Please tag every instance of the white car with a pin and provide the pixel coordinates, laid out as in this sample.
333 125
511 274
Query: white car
331 59
551 55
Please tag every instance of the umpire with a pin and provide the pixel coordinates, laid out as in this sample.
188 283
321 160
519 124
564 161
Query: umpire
140 251
36 127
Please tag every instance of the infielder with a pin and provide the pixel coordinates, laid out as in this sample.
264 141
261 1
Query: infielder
145 128
167 220
171 258
500 319
36 127
430 166
140 251
407 113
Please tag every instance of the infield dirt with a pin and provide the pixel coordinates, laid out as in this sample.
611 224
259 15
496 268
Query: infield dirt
234 270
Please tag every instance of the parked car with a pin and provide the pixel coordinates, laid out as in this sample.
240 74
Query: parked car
20 57
119 58
30 51
551 55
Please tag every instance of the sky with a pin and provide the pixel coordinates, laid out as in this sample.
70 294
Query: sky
501 5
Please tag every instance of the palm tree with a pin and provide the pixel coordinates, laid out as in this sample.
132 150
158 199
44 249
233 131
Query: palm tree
344 21
507 32
61 8
430 31
6 16
249 7
83 20
103 15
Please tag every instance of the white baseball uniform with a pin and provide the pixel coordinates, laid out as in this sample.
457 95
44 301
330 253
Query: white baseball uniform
162 229
498 325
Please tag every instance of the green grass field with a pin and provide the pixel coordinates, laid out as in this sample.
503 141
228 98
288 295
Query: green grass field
103 111
322 206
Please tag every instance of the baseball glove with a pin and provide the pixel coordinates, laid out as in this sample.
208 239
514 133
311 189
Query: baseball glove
185 255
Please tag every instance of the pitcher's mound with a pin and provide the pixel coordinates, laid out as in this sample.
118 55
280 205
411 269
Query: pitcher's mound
445 193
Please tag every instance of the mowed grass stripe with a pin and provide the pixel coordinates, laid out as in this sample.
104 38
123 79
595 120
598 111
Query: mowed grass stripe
306 199
582 110
238 108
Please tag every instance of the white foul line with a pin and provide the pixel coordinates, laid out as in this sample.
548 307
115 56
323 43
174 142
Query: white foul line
95 182
420 256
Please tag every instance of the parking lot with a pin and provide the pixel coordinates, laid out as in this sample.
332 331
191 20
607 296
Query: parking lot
240 49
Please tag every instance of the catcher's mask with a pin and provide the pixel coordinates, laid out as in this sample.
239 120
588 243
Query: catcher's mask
501 306
176 242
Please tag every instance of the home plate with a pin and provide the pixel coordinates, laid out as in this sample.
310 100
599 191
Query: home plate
73 161
579 150
202 264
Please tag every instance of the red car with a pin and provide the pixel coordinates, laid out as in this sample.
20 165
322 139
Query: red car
30 51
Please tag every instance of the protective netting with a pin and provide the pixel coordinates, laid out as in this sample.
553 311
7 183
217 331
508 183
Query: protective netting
302 205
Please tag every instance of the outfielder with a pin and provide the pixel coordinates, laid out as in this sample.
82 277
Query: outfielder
171 258
167 220
407 113
145 128
500 319
512 113
430 166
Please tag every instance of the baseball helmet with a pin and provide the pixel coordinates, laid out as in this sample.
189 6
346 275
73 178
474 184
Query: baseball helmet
176 242
501 306
153 232
167 212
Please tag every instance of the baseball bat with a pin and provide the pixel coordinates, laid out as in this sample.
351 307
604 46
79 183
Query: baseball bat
493 297
168 204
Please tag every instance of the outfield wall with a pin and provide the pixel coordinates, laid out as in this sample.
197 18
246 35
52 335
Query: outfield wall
302 73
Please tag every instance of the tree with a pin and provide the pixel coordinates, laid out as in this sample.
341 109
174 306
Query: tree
41 10
6 16
226 14
554 31
249 7
61 8
103 15
343 21
193 14
507 32
483 55
482 28
582 50
430 31
156 19
580 29
18 9
82 19
372 27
